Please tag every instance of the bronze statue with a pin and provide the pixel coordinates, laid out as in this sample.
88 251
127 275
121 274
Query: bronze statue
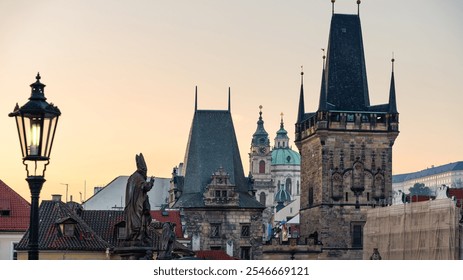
137 207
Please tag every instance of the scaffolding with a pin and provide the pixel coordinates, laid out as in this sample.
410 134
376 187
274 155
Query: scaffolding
427 230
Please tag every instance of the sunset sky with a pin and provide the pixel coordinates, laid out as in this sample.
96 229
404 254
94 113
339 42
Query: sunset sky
123 74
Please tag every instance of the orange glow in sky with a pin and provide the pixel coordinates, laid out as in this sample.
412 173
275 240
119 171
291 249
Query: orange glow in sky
123 74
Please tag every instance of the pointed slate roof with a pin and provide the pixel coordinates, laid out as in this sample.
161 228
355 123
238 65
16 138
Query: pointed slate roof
344 84
301 111
18 208
392 99
322 106
347 87
212 145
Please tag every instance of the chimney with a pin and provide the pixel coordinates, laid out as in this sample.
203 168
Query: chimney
56 197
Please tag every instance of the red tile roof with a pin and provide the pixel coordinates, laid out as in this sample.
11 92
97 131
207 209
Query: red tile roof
172 216
19 210
213 255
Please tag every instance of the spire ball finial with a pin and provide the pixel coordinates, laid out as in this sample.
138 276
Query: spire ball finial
260 107
38 77
302 70
358 2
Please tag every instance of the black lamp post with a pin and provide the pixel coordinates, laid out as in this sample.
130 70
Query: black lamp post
36 122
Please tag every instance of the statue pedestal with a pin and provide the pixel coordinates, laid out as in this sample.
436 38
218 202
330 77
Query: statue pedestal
134 252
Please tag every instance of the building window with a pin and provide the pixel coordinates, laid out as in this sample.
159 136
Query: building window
245 253
4 213
220 193
298 189
216 248
262 198
310 196
245 230
288 186
262 167
357 235
215 230
67 229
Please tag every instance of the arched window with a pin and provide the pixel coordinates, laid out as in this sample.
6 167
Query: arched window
262 198
262 166
288 186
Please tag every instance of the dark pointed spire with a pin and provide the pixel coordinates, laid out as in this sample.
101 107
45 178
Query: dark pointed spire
301 112
322 106
260 137
392 98
196 98
282 124
358 7
229 100
332 6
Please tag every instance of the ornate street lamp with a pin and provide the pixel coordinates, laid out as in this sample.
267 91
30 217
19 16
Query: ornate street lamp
36 122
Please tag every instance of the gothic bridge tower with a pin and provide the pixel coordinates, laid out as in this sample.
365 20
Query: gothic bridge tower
345 146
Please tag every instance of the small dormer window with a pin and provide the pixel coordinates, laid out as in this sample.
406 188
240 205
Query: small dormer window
67 226
68 229
4 213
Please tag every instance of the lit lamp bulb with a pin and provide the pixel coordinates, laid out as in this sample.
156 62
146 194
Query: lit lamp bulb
35 137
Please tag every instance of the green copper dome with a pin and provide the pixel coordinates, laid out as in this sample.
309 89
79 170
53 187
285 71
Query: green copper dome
282 196
285 156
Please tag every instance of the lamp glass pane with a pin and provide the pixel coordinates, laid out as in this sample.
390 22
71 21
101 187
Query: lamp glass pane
22 137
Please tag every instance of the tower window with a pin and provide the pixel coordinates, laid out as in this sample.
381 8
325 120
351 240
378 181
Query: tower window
357 235
289 186
262 167
262 198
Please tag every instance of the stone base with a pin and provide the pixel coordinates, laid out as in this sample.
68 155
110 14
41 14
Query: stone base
134 253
